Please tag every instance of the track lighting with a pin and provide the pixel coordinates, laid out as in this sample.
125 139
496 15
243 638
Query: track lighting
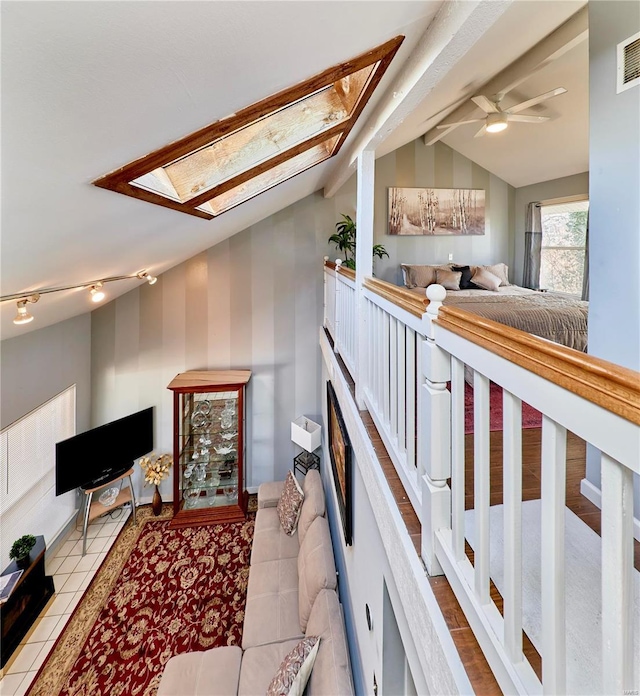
94 286
143 275
97 293
23 316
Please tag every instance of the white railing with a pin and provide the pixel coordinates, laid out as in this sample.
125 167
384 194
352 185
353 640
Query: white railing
391 389
330 298
414 388
346 321
592 399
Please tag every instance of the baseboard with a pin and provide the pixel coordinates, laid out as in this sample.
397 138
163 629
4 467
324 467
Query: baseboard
593 493
252 490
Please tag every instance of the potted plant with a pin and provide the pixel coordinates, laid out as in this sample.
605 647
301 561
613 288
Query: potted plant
21 548
345 241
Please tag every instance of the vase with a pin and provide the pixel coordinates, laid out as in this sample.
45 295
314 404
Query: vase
156 504
23 562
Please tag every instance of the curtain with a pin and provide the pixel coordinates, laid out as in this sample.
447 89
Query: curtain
532 246
585 275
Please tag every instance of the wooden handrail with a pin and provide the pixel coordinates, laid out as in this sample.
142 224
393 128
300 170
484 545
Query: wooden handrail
615 388
405 299
348 272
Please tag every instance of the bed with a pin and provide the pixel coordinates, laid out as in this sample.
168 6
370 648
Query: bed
555 317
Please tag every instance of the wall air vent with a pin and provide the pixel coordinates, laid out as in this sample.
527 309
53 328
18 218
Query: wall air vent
628 63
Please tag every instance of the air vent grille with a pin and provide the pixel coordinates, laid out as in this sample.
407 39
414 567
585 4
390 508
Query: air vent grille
628 63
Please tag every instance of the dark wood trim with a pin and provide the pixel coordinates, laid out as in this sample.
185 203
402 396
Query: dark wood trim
118 180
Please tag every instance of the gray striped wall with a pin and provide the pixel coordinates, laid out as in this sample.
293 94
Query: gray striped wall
252 301
417 166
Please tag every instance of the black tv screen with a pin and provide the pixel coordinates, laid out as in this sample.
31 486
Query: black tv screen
99 455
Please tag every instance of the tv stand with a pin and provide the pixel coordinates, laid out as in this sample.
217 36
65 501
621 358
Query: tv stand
93 508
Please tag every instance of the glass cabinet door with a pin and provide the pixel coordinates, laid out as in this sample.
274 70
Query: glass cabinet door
209 449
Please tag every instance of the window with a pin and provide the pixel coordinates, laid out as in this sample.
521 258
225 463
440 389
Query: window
236 158
564 242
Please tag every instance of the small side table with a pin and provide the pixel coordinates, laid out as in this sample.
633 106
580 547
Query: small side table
305 461
93 509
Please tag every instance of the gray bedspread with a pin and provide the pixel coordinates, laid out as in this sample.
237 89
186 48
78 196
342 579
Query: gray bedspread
554 317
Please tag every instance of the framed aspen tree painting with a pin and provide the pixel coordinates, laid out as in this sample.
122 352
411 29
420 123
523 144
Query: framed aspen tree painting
431 211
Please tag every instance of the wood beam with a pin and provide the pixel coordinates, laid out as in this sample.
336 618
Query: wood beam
455 28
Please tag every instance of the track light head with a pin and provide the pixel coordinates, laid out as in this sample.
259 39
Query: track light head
144 275
23 316
97 293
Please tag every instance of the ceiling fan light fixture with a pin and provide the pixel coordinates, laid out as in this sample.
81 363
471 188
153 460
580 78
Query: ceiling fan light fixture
496 122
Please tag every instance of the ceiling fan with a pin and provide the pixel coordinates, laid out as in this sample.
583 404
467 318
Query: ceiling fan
497 119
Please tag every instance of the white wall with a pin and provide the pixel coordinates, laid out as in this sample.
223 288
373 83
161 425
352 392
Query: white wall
364 571
614 217
34 368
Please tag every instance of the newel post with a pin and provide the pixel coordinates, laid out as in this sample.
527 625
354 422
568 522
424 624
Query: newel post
434 435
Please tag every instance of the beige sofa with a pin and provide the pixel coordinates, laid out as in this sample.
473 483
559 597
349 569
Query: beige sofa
291 593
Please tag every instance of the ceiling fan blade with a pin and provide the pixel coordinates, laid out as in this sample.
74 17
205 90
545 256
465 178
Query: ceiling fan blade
485 104
481 132
459 123
527 119
536 100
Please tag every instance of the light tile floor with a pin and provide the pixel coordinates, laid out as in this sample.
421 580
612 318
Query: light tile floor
72 572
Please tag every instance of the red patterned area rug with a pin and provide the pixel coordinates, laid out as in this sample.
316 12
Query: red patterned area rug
531 418
158 593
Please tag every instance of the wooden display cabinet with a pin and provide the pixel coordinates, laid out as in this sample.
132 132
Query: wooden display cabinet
208 447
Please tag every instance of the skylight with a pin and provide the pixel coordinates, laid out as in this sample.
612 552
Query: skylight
238 157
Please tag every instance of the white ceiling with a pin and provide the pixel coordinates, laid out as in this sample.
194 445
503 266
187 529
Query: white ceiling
89 86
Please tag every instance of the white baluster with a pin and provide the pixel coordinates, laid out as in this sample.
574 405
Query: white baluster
617 577
554 648
481 485
411 396
512 477
385 370
457 458
401 386
393 378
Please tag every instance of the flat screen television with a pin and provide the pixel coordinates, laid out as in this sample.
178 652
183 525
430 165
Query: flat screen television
103 453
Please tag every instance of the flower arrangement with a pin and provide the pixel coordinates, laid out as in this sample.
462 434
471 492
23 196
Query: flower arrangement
156 468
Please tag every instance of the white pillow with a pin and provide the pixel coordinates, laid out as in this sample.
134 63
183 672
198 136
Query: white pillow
501 270
486 280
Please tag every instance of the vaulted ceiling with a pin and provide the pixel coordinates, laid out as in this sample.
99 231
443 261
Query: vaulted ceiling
87 87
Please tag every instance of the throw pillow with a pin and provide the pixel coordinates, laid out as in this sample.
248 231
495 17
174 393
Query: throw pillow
486 280
465 280
294 671
501 270
420 276
450 280
290 504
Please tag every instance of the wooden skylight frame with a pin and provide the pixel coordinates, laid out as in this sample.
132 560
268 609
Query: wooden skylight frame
236 158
